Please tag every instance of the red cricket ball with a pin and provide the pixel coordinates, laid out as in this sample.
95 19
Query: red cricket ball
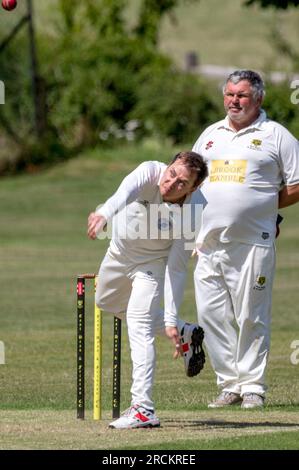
9 4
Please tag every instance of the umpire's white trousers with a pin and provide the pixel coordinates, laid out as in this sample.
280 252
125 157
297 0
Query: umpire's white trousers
138 291
233 287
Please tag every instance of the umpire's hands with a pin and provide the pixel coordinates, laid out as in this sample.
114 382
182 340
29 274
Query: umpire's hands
278 221
96 223
173 333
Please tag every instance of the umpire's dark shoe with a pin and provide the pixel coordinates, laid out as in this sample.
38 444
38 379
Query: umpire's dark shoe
191 345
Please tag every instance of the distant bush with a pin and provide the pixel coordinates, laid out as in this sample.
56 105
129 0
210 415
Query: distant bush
279 107
17 121
95 85
106 81
14 72
174 104
103 87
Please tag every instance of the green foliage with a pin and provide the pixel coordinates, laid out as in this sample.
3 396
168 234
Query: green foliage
24 150
94 66
97 85
102 72
283 4
174 104
284 48
150 16
14 72
104 77
67 9
279 107
106 15
151 13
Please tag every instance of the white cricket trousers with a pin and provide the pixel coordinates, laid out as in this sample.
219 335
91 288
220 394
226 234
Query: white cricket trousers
138 291
233 288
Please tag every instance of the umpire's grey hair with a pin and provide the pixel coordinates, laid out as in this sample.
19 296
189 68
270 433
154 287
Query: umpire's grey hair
256 82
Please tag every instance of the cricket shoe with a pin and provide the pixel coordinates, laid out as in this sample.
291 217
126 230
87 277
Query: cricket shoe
192 350
225 399
252 400
136 417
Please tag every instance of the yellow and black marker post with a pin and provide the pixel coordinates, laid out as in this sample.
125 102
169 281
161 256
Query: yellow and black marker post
80 347
116 367
97 368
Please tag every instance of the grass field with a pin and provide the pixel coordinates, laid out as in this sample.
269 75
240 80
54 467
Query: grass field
43 246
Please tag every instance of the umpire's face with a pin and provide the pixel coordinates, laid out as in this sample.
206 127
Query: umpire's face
240 104
177 182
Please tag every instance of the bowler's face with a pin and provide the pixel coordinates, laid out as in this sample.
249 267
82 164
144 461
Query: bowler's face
177 182
241 107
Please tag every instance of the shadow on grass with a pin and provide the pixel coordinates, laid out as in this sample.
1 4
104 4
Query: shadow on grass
191 423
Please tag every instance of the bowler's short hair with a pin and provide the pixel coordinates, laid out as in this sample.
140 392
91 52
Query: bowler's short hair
195 163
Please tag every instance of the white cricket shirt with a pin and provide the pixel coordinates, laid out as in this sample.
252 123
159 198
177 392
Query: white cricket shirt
247 169
146 229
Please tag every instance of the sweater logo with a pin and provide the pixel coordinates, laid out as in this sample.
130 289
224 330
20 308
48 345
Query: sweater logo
209 144
255 144
260 283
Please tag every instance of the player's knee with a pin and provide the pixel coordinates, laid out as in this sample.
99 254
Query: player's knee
100 300
107 304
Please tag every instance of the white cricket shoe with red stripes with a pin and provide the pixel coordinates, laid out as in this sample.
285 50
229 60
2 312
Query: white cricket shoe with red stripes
136 417
191 346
